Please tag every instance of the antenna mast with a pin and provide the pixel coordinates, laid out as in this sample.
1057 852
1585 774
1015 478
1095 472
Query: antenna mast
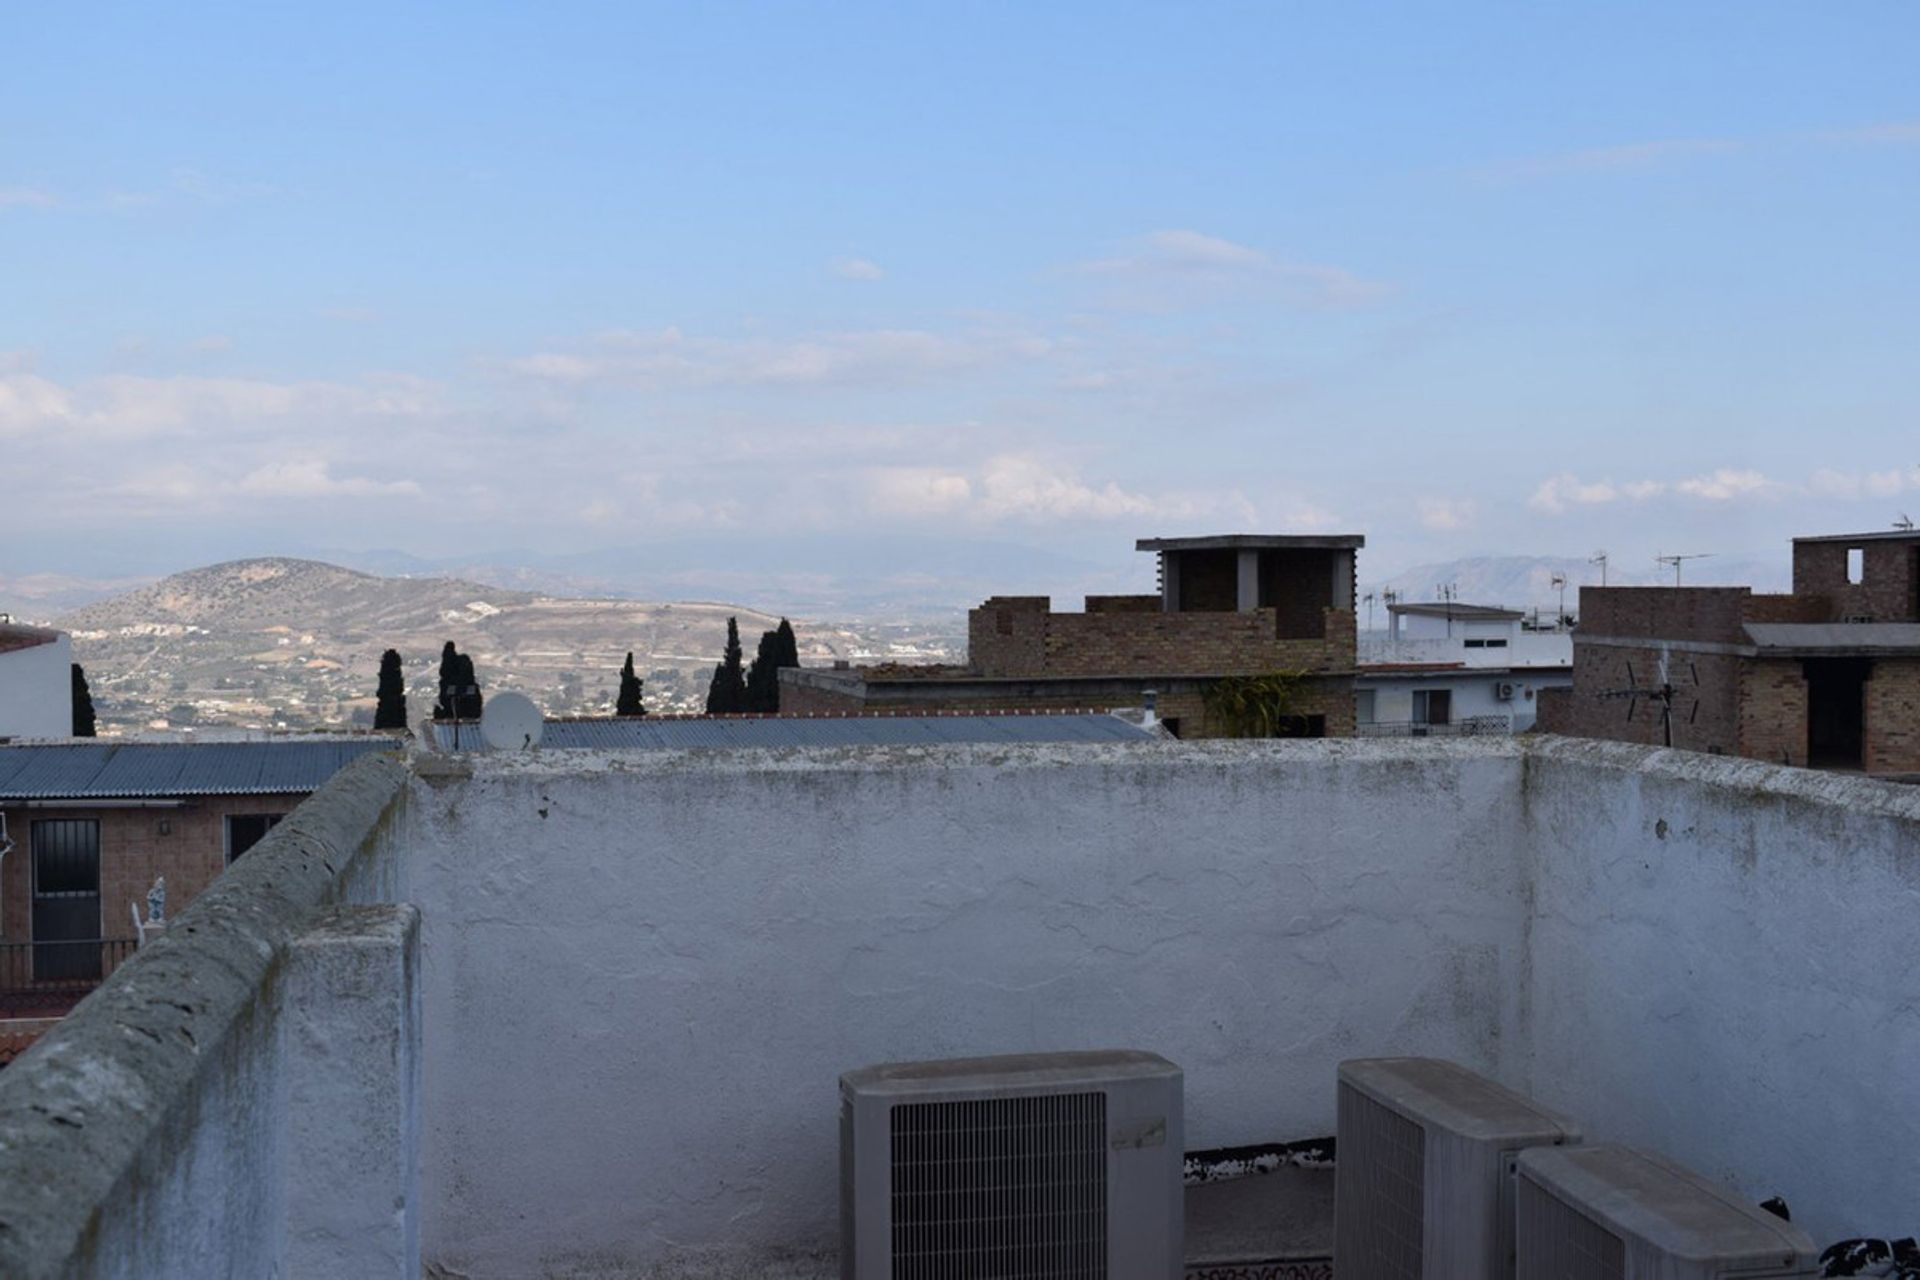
1600 558
1677 561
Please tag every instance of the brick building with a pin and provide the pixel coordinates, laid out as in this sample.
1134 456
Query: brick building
1230 605
1827 676
87 826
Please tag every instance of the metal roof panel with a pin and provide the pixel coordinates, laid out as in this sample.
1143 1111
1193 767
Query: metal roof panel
81 771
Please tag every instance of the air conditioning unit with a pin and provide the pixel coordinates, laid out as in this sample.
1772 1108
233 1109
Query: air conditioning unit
1423 1187
1503 690
1059 1165
1623 1214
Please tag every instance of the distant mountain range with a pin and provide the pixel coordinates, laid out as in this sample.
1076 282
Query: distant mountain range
282 641
1526 582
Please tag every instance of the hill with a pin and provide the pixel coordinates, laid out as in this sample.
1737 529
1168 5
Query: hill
281 641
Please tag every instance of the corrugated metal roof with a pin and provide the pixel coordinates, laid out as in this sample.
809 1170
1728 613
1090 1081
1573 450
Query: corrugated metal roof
668 733
129 770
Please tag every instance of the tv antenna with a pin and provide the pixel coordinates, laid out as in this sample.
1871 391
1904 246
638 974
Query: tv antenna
1368 599
1600 558
1559 580
1677 561
1661 695
1904 523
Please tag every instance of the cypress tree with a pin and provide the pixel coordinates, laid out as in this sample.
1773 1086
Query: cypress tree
390 708
83 726
763 677
728 692
778 648
628 703
449 676
467 702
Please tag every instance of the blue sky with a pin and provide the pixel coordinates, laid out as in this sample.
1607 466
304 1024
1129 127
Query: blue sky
1469 278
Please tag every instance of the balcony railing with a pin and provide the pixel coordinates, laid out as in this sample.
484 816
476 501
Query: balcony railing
1467 727
48 978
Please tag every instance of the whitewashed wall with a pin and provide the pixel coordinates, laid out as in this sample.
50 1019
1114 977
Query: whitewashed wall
643 976
1724 967
36 691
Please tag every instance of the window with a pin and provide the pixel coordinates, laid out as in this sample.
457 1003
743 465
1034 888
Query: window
1856 566
1486 644
245 830
1432 706
1363 705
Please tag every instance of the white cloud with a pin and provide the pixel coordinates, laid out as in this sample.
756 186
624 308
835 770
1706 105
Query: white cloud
29 402
1446 514
916 491
312 478
857 269
213 342
1026 488
1195 258
26 198
1726 484
125 407
668 358
1556 493
1874 484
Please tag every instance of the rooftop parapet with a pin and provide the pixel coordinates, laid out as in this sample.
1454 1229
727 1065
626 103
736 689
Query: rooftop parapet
641 974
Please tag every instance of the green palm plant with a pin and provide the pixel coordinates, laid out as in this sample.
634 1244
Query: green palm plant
1254 706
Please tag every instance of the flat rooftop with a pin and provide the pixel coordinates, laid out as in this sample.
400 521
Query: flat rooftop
1879 535
1446 609
1835 639
1254 542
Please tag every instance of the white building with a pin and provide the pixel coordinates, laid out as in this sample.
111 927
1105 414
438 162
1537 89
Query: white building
1446 668
36 682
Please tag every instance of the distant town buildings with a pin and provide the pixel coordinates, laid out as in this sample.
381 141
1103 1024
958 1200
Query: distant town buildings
1445 668
1827 676
1236 605
36 682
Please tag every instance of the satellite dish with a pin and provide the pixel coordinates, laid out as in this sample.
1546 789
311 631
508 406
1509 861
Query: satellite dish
510 722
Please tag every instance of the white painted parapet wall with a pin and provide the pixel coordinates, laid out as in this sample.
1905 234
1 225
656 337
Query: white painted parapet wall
644 971
640 974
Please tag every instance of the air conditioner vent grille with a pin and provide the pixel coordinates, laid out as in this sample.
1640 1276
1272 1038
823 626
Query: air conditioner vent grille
1568 1243
1000 1188
1385 1223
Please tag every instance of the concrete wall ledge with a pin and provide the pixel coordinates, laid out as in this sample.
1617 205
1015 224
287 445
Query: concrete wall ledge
83 1113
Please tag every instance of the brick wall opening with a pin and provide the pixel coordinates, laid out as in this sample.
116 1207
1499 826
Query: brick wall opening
1836 711
1209 581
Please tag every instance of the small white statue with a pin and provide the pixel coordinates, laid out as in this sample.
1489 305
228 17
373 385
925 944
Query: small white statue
157 901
